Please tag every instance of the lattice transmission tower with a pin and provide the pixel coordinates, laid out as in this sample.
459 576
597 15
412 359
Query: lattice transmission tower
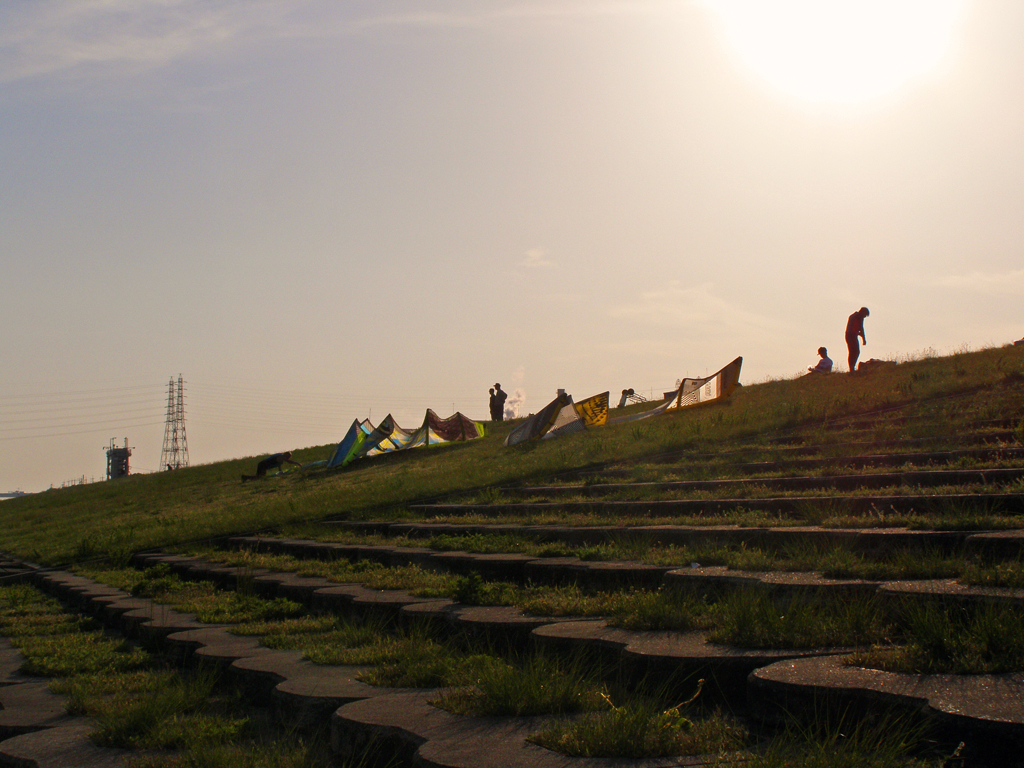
175 452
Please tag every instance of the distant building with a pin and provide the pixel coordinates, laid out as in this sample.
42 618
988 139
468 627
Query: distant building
117 460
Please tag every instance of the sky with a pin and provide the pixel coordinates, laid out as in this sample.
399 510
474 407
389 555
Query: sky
316 211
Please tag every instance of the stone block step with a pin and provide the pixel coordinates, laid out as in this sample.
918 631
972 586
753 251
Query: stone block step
983 712
998 544
983 478
306 693
925 504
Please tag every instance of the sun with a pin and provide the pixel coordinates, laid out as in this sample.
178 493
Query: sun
839 51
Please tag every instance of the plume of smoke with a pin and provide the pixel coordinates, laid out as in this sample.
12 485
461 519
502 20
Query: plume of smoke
514 402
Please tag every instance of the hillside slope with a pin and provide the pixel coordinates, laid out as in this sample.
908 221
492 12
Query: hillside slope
934 396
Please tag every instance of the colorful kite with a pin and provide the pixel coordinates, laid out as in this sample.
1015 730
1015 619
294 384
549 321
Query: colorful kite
562 416
363 439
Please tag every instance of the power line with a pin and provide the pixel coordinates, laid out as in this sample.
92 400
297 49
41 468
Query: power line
65 396
50 414
215 391
107 428
40 420
71 424
297 432
30 407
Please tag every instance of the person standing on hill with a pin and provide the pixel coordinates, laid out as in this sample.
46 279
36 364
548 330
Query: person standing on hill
492 405
855 328
499 403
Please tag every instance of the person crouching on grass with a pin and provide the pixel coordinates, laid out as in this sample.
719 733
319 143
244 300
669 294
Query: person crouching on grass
824 365
272 462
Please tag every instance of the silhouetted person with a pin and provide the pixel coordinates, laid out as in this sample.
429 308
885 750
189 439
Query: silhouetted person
855 328
275 462
499 403
492 405
824 365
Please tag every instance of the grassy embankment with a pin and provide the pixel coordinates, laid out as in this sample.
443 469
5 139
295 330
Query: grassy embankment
634 718
169 717
146 511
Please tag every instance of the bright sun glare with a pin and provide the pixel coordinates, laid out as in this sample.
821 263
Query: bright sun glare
840 51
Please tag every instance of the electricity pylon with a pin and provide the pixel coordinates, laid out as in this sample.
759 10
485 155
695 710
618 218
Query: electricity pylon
175 452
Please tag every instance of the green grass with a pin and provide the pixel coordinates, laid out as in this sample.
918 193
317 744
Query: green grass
999 574
680 610
474 679
831 561
936 399
483 684
136 702
55 644
745 617
112 519
290 751
641 728
78 653
87 691
211 606
939 638
880 740
398 659
753 619
179 714
750 618
373 575
157 709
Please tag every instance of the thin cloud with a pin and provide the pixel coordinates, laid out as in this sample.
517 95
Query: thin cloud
535 258
561 297
47 37
474 14
695 307
588 8
55 36
427 19
985 282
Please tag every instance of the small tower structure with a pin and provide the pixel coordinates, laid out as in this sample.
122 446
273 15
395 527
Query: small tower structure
175 451
117 459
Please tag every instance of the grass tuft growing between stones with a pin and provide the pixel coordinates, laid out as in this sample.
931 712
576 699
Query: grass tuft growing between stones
953 638
753 618
73 646
210 606
137 702
181 713
534 685
416 580
643 728
290 751
885 740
